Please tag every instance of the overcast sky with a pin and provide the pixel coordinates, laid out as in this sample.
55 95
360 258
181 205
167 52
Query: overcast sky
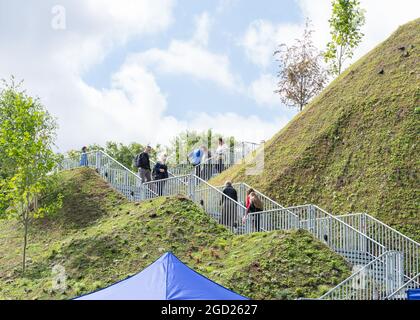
143 70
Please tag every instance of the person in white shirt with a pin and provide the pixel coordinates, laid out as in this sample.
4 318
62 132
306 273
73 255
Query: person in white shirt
221 153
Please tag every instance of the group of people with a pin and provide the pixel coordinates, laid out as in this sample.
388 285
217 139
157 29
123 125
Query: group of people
159 172
200 157
253 205
142 162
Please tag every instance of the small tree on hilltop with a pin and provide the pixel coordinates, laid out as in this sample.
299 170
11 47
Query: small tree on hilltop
301 75
27 135
345 23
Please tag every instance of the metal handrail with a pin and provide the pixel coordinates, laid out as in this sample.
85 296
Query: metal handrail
390 238
393 230
381 223
354 275
260 193
197 184
254 144
338 220
413 279
349 226
119 163
247 186
217 190
214 158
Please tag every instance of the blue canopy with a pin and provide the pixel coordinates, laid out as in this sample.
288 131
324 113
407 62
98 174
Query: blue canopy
165 279
413 294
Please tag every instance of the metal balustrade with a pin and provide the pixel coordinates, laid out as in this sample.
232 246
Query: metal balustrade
220 207
401 292
373 281
166 187
242 189
116 174
386 260
271 220
273 217
181 169
217 163
207 169
390 238
355 246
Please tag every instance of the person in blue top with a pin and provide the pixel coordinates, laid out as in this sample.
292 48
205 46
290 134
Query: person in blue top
84 158
195 157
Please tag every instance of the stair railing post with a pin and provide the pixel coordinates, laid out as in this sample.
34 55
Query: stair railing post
191 187
242 226
311 219
98 161
142 192
126 184
363 246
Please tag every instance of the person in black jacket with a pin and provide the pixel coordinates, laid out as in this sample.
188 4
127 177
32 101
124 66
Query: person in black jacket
143 164
228 206
160 172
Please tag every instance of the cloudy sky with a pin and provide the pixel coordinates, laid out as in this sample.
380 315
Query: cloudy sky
143 70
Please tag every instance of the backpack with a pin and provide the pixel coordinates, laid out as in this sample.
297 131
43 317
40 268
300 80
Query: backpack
136 161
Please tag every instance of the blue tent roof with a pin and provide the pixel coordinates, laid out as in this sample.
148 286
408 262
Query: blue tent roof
165 279
413 294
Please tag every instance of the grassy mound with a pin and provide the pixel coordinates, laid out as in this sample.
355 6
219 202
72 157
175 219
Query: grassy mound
355 147
100 238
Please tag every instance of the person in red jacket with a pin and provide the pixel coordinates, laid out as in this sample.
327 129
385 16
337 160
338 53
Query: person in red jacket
247 201
255 206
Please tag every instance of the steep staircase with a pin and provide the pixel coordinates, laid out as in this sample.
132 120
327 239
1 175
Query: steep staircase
385 262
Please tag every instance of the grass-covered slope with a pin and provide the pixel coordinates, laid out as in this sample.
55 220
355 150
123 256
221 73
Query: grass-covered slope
356 146
100 238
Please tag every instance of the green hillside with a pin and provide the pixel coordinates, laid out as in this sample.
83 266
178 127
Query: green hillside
356 146
100 238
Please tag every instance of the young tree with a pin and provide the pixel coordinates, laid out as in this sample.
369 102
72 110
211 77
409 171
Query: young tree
124 154
301 75
27 134
345 23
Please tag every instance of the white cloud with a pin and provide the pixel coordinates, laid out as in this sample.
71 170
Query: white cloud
193 58
203 24
186 58
382 18
246 128
225 5
262 91
134 108
52 62
94 27
263 37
